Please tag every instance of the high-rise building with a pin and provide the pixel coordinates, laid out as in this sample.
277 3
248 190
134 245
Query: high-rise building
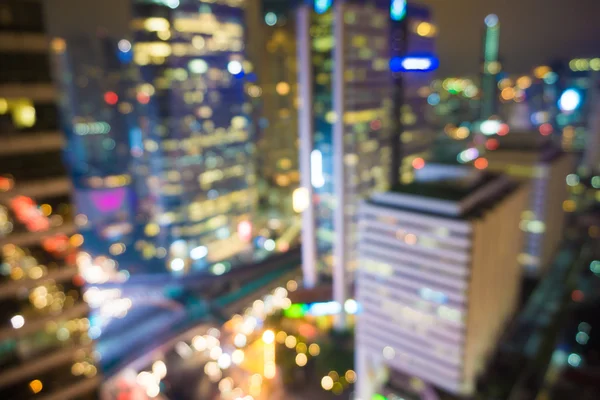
170 76
438 277
344 126
413 62
530 157
276 89
46 350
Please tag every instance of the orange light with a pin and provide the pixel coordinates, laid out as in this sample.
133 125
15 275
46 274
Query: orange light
481 163
111 98
418 163
508 93
36 386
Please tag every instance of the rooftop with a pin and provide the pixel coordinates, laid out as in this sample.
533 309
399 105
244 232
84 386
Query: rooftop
449 190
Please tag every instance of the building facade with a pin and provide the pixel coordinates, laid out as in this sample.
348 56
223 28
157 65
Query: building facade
46 347
438 278
527 156
345 107
172 77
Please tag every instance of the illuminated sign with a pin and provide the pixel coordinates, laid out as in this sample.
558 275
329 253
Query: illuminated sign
398 10
414 64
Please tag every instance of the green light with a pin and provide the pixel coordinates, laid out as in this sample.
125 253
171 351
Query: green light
378 396
295 311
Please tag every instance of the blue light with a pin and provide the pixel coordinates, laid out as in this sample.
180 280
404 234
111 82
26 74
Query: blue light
321 6
414 63
433 99
570 100
491 20
398 10
271 18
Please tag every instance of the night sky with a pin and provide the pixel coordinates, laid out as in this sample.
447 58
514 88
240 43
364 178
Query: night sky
533 32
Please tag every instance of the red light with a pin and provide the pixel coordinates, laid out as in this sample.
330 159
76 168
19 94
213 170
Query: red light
244 230
418 163
503 130
111 98
143 98
375 124
577 295
546 129
481 163
492 144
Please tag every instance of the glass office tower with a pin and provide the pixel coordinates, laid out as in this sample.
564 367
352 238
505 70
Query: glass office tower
46 349
413 62
346 102
162 94
192 56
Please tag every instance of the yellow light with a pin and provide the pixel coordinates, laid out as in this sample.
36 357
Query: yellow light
494 67
36 386
282 88
163 35
36 272
569 206
290 342
461 132
333 375
46 209
270 370
301 347
58 45
541 71
350 376
337 388
301 359
77 369
314 350
426 29
327 383
508 93
292 286
152 229
280 337
524 82
76 240
3 106
595 64
24 114
268 336
237 357
156 24
300 201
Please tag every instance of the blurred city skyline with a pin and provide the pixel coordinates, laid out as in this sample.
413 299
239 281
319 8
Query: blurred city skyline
525 40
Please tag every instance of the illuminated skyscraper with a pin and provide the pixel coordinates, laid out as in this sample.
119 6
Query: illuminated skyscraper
438 277
173 78
357 99
344 113
45 346
192 55
413 62
275 67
